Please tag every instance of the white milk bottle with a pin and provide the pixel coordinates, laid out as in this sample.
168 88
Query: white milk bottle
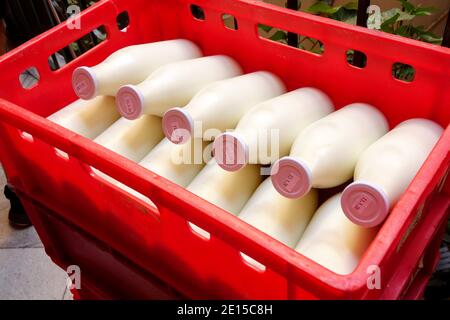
325 153
87 118
132 139
227 190
177 163
332 240
129 65
173 85
266 132
386 168
220 106
282 218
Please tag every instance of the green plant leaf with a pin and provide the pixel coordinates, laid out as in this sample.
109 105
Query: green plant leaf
344 15
75 46
408 6
402 15
317 50
264 27
424 11
403 72
323 8
279 35
350 55
419 33
430 38
404 31
388 19
388 25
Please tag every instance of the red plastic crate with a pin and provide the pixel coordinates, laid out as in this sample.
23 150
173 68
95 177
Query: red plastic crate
127 249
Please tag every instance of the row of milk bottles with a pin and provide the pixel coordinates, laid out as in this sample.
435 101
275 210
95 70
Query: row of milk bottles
166 107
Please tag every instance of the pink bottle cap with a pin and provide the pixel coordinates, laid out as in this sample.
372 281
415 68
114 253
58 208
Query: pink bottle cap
177 125
291 177
84 83
365 204
130 102
230 151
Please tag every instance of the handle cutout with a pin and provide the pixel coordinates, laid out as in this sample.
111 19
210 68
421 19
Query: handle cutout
199 232
123 21
104 178
229 21
258 266
356 58
197 12
26 136
77 48
403 72
29 78
291 39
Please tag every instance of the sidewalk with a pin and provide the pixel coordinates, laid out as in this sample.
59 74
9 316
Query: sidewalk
26 272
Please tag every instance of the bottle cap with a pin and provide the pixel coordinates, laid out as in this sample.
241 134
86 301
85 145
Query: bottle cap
84 83
230 151
130 102
177 125
365 204
291 177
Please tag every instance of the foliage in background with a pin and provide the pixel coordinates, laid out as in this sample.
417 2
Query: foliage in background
346 13
398 21
395 21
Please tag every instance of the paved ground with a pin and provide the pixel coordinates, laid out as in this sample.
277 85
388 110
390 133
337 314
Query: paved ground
26 272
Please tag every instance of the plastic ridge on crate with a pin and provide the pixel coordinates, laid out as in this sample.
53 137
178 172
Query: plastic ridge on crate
126 248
